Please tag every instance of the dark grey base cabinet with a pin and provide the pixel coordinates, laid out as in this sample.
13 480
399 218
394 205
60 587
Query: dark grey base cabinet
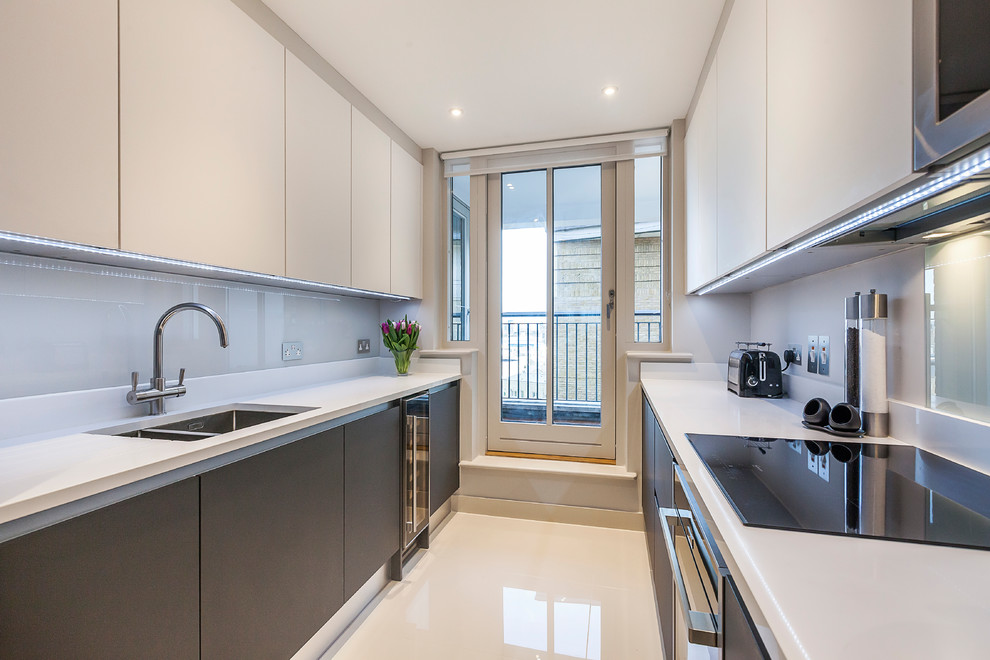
272 548
372 498
248 560
658 491
648 478
445 426
121 582
740 638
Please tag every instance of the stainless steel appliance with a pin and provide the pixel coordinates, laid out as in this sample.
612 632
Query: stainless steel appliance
951 79
754 371
892 492
699 574
415 470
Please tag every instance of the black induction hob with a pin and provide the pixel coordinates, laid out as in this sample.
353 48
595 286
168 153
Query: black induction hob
893 492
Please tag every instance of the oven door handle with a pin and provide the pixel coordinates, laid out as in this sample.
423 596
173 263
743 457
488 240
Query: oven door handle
701 626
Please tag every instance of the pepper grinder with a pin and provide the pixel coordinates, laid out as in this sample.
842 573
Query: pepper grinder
852 351
873 363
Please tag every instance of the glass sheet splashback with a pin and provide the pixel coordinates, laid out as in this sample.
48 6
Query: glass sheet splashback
68 326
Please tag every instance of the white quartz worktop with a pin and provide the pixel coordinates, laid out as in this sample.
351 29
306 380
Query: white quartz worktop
824 596
39 474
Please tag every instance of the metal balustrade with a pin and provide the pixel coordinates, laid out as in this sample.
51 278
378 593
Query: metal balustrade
577 369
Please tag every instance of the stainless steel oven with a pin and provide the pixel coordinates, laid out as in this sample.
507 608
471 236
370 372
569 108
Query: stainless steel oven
699 575
951 79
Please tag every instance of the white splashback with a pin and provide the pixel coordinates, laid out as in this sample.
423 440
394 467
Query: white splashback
67 326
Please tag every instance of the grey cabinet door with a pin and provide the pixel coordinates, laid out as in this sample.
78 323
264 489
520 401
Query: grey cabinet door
121 582
445 425
272 552
372 502
647 477
740 640
663 574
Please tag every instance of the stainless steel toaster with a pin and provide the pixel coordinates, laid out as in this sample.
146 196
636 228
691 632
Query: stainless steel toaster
754 371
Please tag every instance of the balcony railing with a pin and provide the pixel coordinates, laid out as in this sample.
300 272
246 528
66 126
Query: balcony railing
577 364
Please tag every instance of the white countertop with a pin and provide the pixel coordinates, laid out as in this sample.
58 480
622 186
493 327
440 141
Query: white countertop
40 474
824 596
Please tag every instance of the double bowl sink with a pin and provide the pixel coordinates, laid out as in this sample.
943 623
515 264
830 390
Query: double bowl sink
203 424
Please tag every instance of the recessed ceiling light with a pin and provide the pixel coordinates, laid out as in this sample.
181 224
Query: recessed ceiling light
610 90
456 112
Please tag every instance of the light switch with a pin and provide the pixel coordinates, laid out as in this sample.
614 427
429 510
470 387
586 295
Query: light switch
813 354
823 355
823 462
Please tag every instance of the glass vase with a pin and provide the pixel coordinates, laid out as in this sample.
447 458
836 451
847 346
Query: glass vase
402 361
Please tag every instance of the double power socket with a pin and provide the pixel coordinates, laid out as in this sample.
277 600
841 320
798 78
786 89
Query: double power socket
818 354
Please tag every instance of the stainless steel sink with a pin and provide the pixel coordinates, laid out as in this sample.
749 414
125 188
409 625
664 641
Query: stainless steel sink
202 424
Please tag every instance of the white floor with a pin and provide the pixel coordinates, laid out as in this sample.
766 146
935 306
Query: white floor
505 588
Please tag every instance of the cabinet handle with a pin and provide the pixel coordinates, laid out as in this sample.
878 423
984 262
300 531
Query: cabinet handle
702 626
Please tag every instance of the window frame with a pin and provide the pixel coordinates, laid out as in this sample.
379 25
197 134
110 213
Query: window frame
626 260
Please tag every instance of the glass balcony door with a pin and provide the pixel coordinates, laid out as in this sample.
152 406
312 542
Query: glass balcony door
551 335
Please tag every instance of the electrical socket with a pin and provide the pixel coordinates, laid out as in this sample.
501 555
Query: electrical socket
813 354
292 350
364 346
796 349
823 355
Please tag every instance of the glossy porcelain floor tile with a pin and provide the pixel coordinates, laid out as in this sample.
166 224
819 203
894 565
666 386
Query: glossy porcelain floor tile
505 588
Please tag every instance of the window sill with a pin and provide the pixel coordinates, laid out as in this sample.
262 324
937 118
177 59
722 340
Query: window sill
659 356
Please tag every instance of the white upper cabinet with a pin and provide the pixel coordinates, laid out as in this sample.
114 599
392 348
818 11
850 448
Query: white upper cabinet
838 108
317 178
407 224
742 135
370 202
202 135
700 181
58 134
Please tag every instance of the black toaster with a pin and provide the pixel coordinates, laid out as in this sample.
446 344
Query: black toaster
754 371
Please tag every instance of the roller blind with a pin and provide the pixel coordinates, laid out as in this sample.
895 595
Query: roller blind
561 153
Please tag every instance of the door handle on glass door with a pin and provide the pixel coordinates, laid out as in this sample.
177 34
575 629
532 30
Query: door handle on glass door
608 309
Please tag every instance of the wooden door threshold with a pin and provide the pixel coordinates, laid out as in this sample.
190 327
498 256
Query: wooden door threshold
551 457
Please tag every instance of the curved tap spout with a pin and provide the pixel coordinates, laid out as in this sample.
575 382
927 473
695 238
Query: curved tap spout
158 379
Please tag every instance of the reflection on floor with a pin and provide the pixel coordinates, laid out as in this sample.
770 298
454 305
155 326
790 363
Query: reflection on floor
505 588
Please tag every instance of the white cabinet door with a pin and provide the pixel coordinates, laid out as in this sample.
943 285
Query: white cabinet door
742 135
407 224
838 108
700 165
370 201
317 178
58 134
202 135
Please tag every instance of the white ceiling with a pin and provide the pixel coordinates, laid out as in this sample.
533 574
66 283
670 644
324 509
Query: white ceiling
522 70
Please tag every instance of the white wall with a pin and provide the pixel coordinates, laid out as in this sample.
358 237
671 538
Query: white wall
68 326
788 313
